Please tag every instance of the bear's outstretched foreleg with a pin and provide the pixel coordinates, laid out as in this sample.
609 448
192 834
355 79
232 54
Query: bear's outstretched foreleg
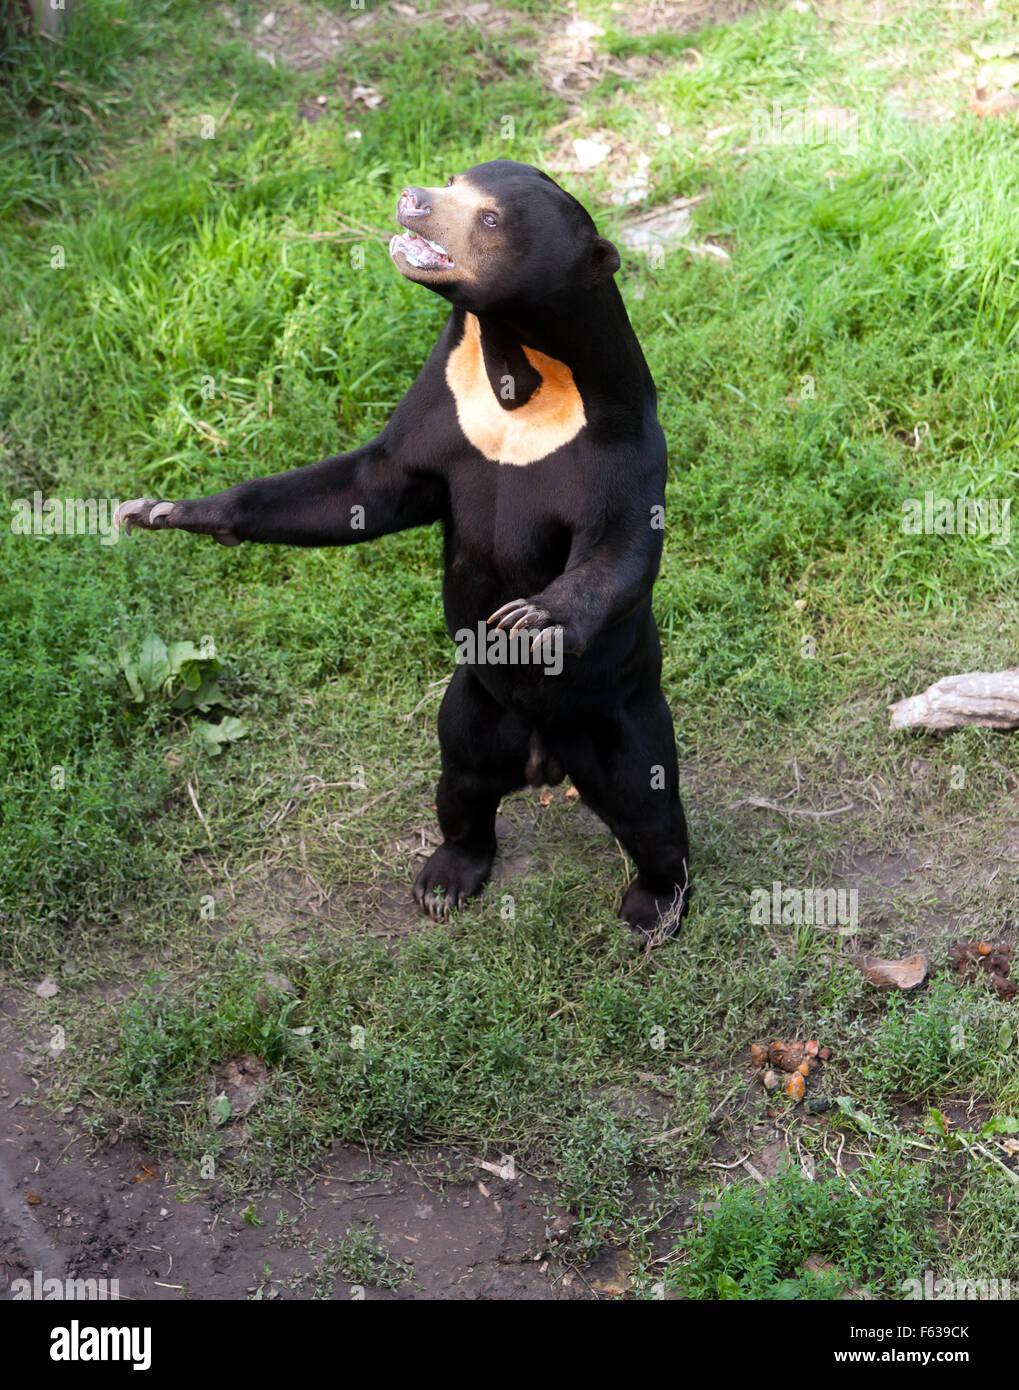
353 497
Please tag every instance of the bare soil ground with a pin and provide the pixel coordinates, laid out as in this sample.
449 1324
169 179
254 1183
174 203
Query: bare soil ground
454 1230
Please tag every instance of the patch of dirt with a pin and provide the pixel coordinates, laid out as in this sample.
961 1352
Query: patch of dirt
978 77
960 1114
237 1085
768 1147
453 1227
929 886
305 37
572 60
282 900
881 881
285 900
649 1112
299 36
678 16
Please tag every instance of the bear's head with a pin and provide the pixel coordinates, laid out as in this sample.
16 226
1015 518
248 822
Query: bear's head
501 236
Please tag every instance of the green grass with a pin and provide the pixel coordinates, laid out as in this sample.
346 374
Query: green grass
359 1258
757 1243
199 333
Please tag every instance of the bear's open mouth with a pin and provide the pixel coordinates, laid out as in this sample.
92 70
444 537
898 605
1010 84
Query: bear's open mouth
422 253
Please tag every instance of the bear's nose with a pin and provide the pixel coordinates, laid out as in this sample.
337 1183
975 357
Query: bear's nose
412 204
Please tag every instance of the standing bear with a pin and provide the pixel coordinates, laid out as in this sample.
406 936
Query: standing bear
532 434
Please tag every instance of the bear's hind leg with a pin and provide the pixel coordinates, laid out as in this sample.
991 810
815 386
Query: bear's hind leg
485 751
624 766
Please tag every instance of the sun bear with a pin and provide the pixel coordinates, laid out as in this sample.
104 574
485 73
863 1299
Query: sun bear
532 435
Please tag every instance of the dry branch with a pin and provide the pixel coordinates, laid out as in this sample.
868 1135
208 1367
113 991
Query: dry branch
987 698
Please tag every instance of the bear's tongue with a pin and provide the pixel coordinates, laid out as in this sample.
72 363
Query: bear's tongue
421 252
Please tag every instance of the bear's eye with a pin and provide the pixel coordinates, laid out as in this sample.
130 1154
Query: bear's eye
490 219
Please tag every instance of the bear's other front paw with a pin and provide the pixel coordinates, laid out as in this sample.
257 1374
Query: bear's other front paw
449 878
143 511
654 917
521 614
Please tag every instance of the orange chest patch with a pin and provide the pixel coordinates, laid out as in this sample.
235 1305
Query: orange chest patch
551 418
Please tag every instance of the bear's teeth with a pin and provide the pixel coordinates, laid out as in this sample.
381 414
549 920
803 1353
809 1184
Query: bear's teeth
407 243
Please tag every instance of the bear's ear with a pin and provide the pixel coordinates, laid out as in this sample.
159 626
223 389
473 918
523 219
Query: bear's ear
604 259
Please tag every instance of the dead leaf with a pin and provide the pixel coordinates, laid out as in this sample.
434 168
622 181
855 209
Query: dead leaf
590 152
369 96
893 974
33 1199
983 103
47 988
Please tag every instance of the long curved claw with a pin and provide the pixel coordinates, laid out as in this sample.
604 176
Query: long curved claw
518 613
127 511
500 615
142 511
543 642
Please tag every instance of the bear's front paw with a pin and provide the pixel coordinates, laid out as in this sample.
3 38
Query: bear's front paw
450 877
143 511
202 518
521 614
654 917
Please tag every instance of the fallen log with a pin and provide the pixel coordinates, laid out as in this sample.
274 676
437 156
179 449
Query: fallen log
987 698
